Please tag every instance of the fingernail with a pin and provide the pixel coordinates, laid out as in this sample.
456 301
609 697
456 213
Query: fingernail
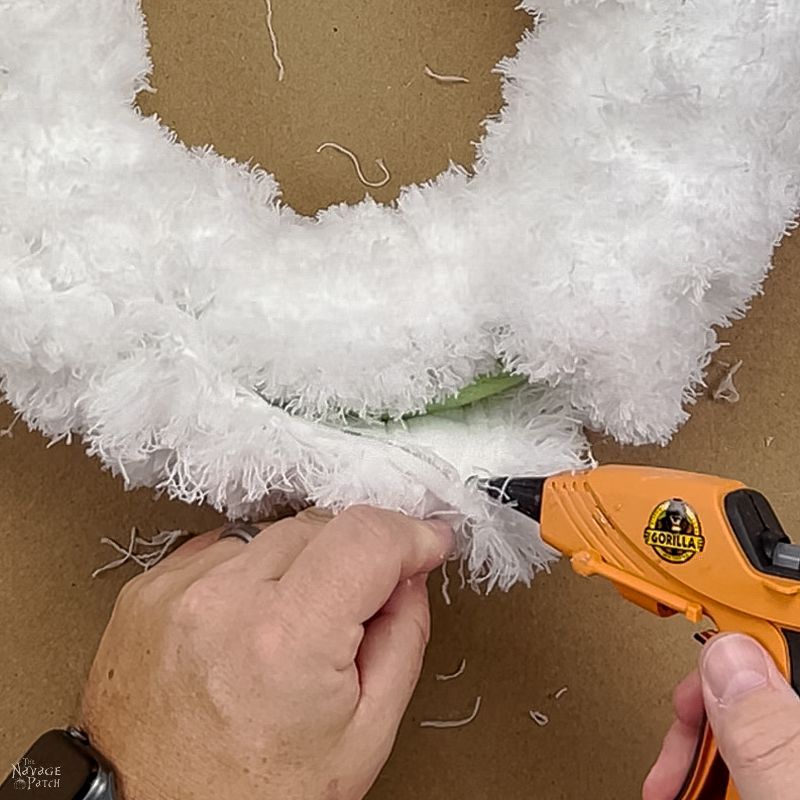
733 666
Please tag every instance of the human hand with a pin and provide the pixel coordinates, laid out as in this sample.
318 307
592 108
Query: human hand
275 669
755 716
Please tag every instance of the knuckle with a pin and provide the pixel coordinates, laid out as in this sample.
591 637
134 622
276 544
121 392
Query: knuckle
275 633
130 595
155 588
196 600
127 595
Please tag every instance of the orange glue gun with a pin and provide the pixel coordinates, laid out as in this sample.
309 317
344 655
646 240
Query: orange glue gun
676 542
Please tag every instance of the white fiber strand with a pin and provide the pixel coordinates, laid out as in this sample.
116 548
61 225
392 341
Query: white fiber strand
357 164
274 41
451 676
453 723
539 718
726 390
445 584
8 431
155 549
127 554
445 78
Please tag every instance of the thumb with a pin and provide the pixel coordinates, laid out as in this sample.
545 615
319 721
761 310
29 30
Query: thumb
755 716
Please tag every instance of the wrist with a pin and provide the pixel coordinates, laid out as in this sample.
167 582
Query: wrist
144 771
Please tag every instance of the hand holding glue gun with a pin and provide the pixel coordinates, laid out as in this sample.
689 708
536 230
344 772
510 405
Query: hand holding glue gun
702 546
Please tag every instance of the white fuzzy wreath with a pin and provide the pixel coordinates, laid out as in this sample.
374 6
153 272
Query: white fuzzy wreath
201 337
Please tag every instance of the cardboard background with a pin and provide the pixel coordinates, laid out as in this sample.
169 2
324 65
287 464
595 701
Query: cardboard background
354 74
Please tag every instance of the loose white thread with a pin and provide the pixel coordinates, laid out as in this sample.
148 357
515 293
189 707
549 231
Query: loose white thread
540 719
354 158
163 541
448 677
726 390
9 431
445 584
445 78
274 39
453 723
560 693
127 555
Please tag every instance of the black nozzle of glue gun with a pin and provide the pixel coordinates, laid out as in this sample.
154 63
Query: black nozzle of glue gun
524 494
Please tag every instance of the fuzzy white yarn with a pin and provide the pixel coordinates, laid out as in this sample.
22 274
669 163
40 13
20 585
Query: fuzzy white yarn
161 303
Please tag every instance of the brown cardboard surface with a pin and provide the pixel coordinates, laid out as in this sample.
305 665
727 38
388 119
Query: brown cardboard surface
354 74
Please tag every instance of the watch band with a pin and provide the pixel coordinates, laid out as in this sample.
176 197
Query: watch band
104 786
63 765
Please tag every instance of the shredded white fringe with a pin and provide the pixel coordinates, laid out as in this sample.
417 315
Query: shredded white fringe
200 337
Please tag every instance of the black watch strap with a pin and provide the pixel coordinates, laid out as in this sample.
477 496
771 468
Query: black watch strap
60 765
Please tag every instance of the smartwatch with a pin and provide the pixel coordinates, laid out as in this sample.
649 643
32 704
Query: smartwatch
60 765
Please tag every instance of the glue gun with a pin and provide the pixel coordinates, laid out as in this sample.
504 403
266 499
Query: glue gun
676 542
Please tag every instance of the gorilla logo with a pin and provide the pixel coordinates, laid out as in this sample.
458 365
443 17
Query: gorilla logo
673 531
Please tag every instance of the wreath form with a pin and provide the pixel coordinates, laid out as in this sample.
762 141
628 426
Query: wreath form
201 337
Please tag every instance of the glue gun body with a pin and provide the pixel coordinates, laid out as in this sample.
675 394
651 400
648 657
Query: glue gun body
677 542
